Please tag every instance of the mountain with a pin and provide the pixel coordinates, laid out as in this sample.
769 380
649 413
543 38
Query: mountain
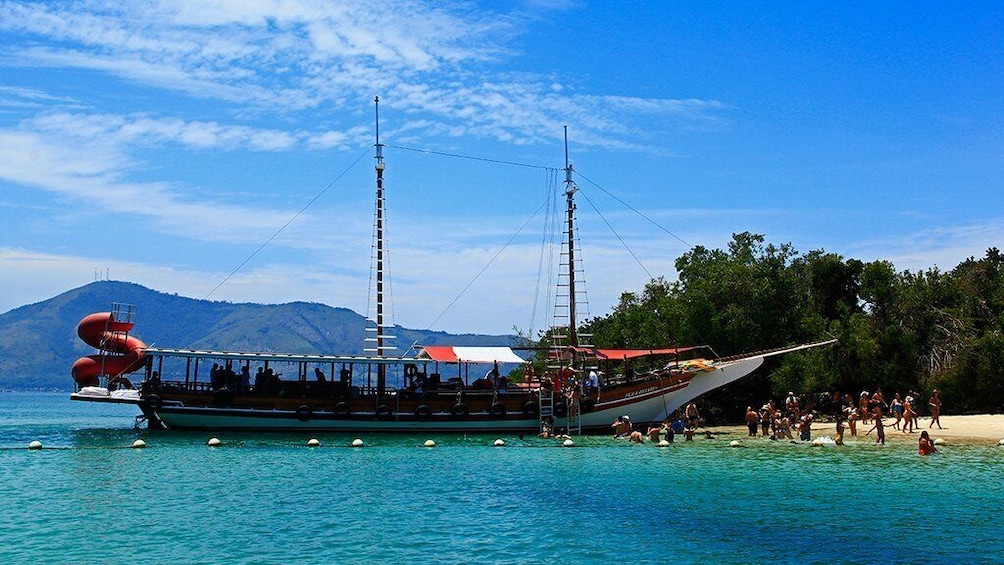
39 343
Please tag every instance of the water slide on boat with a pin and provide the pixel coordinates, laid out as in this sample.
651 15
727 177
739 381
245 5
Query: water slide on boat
120 353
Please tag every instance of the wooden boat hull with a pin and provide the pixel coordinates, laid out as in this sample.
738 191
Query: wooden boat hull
645 403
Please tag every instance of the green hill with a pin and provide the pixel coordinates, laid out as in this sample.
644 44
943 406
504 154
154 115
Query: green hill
39 343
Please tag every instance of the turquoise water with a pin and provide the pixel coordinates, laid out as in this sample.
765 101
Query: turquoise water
267 498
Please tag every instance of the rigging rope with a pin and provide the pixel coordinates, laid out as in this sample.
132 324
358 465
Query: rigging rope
635 210
617 235
286 225
485 268
458 156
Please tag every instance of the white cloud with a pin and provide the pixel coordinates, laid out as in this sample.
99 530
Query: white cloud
943 247
292 56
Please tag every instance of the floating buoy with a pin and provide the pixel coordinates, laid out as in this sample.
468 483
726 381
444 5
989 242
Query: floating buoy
568 443
1001 442
663 443
816 443
430 443
139 443
35 445
313 442
357 442
500 443
735 443
939 441
214 442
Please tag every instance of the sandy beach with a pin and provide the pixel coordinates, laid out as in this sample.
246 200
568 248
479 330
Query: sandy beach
983 428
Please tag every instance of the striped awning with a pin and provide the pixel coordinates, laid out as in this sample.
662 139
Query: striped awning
455 354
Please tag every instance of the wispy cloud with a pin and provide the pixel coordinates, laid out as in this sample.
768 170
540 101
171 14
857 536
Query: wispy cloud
289 56
943 247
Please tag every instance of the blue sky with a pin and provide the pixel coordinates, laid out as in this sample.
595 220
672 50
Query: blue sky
163 143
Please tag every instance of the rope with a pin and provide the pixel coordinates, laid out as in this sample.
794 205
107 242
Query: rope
284 226
472 158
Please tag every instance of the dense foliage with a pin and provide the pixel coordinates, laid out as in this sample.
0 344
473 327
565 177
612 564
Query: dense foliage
899 330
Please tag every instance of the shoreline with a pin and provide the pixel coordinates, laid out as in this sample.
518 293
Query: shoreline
975 429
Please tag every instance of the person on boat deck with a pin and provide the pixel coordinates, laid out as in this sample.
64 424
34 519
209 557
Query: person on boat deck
592 382
216 376
230 377
319 375
259 378
270 377
245 377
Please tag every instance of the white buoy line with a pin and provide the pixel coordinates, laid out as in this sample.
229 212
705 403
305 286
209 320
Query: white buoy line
140 443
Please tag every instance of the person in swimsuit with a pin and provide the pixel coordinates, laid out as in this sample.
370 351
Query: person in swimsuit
924 445
935 405
693 416
752 421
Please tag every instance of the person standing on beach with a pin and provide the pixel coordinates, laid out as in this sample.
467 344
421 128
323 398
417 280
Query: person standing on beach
935 405
909 415
897 410
852 420
879 426
916 409
752 421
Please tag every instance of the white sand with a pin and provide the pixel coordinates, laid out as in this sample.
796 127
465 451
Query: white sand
983 428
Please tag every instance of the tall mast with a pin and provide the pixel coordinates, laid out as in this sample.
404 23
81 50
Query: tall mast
570 189
379 233
379 260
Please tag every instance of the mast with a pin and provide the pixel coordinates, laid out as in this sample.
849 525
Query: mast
570 189
379 232
380 338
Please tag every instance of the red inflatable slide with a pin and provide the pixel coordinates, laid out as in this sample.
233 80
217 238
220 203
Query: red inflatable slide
120 352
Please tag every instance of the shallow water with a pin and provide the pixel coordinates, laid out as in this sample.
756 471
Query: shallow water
267 498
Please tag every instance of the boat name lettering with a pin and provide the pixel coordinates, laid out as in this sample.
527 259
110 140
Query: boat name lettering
642 391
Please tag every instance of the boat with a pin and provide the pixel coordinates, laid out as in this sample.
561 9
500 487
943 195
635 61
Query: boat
580 388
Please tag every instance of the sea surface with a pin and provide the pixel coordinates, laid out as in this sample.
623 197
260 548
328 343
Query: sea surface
87 497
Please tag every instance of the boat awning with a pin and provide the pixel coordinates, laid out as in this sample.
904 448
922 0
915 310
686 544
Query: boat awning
620 354
451 354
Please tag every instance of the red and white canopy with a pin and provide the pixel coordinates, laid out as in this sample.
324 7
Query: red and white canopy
454 354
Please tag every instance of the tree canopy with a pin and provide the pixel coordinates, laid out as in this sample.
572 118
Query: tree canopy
902 331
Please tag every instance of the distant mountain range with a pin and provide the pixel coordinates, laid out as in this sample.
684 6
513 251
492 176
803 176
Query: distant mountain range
39 343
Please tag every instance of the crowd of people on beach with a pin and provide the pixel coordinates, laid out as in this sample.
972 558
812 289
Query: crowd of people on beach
797 415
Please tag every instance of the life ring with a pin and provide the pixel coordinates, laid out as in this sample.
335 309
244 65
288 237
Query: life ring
383 412
303 413
423 413
410 370
531 409
154 402
560 409
499 410
342 409
460 411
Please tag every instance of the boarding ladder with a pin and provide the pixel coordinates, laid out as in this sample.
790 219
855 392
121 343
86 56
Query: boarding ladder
545 408
574 423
